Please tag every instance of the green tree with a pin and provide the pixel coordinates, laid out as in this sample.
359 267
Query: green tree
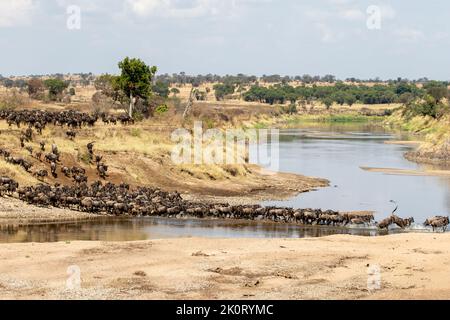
135 80
222 90
328 102
437 90
55 88
161 88
108 85
350 99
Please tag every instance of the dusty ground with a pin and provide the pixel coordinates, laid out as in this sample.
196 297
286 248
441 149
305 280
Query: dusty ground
413 266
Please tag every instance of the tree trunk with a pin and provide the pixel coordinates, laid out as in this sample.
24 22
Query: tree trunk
130 111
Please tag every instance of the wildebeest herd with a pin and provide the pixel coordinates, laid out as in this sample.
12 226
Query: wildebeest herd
39 119
122 200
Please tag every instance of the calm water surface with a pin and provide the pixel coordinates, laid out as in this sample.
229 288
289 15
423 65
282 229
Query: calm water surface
337 153
134 229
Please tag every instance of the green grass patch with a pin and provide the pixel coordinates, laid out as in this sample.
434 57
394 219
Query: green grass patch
333 118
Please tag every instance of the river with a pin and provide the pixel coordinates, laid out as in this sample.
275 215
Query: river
339 152
336 152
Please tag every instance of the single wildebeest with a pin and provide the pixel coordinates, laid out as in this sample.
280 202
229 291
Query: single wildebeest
53 169
80 179
28 134
41 174
55 149
90 147
66 171
102 170
51 157
38 155
386 223
71 134
98 159
402 223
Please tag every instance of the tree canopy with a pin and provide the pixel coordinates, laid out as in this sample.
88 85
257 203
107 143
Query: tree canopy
55 87
135 80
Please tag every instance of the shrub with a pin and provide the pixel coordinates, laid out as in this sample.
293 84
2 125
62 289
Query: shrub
427 107
161 109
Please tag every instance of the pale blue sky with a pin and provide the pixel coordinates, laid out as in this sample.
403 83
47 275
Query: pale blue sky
229 36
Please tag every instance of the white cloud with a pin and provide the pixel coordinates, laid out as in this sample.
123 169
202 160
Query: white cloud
352 14
387 12
327 34
16 12
182 8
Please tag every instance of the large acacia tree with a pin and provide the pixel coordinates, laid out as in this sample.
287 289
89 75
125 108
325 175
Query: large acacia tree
135 80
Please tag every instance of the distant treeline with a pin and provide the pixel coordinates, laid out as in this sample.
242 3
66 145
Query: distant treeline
85 79
197 80
340 93
242 79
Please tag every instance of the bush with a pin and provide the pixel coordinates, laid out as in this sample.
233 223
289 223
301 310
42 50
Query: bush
161 109
427 107
55 88
222 90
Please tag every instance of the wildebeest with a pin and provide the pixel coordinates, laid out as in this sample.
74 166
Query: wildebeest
71 134
438 222
384 224
402 223
51 157
53 169
29 149
102 170
41 174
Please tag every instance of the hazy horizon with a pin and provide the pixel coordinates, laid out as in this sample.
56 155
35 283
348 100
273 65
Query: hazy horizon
252 37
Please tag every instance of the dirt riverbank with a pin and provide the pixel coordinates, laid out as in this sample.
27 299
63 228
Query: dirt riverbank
16 212
412 266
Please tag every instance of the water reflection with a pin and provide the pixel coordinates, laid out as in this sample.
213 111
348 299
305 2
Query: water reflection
133 229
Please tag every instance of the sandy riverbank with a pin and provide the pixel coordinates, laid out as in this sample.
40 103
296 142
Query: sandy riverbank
16 212
413 266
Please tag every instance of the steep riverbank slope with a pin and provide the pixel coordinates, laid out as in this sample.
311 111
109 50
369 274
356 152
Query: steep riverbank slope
140 155
435 134
412 266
